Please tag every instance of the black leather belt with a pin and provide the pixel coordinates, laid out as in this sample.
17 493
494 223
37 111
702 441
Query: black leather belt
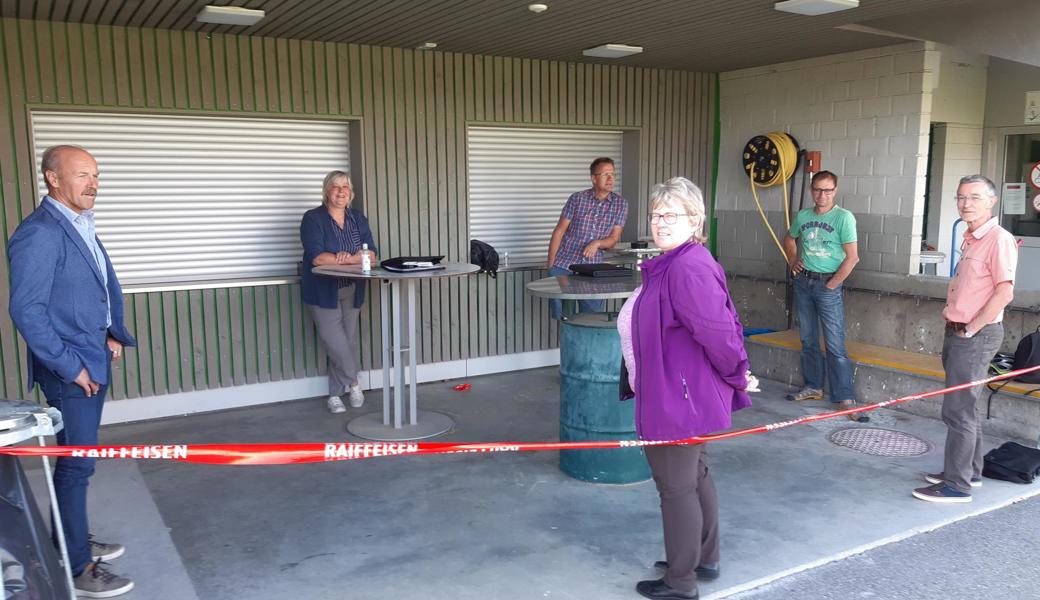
815 275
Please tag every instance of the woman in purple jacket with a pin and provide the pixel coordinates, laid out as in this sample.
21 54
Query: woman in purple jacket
684 353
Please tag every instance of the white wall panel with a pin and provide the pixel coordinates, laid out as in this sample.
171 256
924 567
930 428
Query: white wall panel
190 198
520 178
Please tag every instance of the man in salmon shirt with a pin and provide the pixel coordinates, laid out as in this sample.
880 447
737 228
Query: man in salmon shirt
983 285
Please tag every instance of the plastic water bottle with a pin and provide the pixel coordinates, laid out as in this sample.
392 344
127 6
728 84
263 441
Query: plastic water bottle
505 259
366 259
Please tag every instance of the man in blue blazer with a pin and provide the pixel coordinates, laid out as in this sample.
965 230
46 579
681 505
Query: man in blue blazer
67 304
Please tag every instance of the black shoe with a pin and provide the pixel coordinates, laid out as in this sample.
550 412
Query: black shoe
933 478
659 590
941 492
703 573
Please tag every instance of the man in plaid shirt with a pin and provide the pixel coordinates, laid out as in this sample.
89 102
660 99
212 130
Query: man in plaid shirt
590 223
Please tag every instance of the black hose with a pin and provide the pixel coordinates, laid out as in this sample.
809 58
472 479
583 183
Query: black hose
789 279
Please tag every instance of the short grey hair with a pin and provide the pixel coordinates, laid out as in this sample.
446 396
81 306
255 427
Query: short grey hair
991 189
683 192
51 160
330 180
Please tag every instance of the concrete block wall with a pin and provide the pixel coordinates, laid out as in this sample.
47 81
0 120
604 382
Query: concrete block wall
958 112
956 152
867 112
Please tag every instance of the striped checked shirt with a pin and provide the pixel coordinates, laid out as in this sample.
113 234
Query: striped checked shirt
591 219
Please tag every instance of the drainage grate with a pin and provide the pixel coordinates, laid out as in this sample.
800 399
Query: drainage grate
880 442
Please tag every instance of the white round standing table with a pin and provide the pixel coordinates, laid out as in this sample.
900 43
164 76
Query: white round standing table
392 425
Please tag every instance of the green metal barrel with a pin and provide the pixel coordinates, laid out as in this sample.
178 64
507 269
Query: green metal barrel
590 368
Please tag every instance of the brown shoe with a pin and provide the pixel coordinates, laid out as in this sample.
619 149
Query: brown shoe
98 582
855 417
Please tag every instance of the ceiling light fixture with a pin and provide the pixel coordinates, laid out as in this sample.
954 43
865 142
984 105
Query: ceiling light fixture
813 8
612 51
426 46
229 15
537 8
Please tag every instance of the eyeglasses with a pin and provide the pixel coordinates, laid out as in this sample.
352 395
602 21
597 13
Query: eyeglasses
827 191
974 198
613 175
668 218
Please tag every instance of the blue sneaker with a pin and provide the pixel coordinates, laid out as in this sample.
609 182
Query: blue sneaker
976 482
941 492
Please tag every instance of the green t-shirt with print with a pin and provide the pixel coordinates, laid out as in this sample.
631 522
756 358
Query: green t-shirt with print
823 237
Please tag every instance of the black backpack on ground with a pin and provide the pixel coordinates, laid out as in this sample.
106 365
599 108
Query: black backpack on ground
1012 462
484 256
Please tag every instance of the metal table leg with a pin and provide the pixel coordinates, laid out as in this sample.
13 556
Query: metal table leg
384 301
419 424
59 528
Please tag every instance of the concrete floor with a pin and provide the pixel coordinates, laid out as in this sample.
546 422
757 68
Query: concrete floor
504 526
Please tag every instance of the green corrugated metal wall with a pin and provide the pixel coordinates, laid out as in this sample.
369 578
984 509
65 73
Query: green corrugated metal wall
413 108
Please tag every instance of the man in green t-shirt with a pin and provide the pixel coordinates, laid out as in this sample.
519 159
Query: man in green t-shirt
822 260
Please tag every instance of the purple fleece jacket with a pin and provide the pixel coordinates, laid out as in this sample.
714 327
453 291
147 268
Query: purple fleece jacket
689 347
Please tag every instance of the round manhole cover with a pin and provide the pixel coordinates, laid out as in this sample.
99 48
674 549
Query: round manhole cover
880 442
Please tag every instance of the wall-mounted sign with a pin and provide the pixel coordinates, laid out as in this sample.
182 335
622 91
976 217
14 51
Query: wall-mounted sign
1033 108
1034 176
1013 200
1036 203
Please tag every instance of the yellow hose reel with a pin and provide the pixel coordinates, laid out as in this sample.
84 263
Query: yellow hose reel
770 160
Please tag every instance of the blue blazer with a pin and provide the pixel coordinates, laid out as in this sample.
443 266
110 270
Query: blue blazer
58 301
318 234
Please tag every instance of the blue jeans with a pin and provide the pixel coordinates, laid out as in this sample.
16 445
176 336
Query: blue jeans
584 306
82 417
818 305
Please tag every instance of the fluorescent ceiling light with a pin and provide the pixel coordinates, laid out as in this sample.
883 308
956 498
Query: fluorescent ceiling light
815 7
612 51
229 15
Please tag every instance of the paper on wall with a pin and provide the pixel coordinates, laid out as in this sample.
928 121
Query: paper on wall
1013 199
1032 108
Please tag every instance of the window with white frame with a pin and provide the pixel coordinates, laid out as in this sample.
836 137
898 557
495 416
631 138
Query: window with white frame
186 198
520 178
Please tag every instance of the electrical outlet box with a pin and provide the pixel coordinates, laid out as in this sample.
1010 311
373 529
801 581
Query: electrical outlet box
812 161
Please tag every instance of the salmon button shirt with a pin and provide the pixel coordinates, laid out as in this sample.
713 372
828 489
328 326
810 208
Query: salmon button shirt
989 257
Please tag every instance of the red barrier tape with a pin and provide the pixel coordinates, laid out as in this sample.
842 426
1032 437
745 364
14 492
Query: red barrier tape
281 454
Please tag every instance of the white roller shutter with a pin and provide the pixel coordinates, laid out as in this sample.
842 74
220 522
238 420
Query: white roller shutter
190 198
520 178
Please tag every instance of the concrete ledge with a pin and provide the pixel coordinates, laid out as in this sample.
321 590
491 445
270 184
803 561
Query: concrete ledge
918 286
894 375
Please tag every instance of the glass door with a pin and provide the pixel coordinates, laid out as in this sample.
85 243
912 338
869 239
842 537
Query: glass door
1020 203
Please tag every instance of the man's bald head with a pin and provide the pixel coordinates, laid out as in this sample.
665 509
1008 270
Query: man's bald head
71 174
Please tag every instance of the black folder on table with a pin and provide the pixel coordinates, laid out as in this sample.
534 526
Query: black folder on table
601 270
409 264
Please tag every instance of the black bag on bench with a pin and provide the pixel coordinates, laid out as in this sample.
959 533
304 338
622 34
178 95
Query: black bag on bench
1012 462
1027 354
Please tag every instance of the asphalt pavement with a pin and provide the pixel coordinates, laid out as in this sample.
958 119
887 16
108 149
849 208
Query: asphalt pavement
992 556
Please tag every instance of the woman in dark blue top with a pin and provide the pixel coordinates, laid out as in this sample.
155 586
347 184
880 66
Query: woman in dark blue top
333 234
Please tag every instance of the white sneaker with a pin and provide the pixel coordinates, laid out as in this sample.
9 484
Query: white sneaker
335 405
357 397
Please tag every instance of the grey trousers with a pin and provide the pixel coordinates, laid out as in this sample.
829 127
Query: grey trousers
689 511
965 360
337 330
